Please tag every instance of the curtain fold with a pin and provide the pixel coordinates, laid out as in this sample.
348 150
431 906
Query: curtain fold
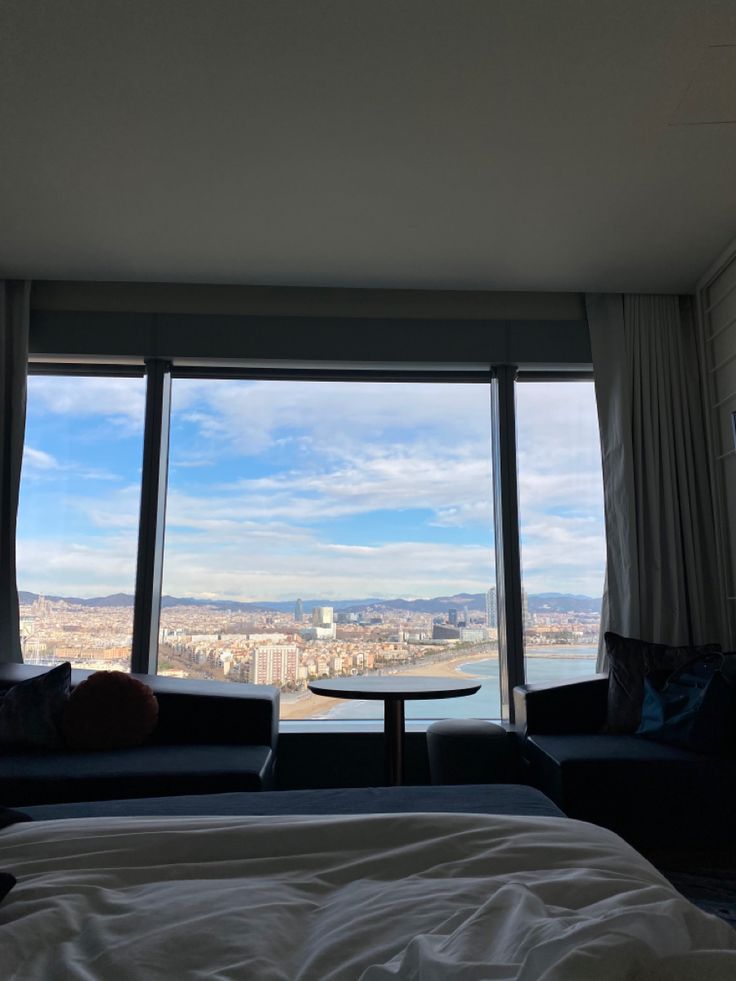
14 316
661 578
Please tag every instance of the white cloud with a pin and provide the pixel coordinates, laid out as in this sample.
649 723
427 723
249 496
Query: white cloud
250 417
76 566
119 402
334 458
455 484
38 460
400 569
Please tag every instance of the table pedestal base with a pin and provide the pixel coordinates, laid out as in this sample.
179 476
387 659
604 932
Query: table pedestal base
393 727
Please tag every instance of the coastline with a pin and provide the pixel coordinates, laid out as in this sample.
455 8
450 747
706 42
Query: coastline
308 706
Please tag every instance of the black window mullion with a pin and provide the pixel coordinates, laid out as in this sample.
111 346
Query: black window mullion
506 519
276 373
85 369
147 611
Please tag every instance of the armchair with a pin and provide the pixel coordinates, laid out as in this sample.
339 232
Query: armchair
656 796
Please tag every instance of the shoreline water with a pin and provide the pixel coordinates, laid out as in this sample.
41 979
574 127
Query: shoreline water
310 706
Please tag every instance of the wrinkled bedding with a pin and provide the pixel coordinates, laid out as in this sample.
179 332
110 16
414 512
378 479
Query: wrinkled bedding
357 898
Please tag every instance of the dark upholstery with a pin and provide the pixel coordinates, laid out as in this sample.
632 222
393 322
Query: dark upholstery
32 778
9 816
578 706
193 711
212 737
631 661
214 711
31 710
498 799
651 794
654 795
471 751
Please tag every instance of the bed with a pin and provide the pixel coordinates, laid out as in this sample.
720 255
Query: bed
362 897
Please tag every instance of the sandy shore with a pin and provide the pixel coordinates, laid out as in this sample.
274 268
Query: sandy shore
308 705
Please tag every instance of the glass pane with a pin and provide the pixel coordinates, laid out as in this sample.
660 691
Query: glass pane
563 547
78 519
330 529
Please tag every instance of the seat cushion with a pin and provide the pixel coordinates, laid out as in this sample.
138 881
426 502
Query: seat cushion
654 795
39 778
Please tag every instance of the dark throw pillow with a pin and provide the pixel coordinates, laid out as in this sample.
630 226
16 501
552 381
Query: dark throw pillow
9 816
7 881
30 712
630 662
110 710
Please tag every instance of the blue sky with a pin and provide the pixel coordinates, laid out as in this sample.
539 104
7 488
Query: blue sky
306 488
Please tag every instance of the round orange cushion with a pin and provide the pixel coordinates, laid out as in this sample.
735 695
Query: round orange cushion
110 710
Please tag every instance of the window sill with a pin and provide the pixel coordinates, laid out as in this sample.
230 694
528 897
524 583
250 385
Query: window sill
359 725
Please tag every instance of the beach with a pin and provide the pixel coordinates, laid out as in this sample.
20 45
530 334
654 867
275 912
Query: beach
307 705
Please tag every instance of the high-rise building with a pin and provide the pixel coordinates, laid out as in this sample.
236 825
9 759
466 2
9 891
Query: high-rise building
491 608
444 631
452 616
274 664
322 616
298 611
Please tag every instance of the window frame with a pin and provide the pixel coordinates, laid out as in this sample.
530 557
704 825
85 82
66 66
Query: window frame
160 372
98 368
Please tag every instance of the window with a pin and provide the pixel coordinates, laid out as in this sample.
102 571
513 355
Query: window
561 527
78 518
300 523
325 528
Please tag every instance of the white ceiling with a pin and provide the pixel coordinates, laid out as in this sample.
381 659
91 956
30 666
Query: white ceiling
497 144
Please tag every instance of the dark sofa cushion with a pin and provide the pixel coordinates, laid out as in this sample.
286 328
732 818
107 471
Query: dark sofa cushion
654 795
631 661
149 771
30 712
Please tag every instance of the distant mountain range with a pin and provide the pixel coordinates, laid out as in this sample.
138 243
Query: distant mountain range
538 603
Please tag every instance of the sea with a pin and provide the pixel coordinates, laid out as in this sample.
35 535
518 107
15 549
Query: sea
568 664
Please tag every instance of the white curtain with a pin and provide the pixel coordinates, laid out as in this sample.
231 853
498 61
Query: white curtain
661 578
14 313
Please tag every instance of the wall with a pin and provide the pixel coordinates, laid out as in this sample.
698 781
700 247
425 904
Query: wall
344 759
231 323
717 309
293 301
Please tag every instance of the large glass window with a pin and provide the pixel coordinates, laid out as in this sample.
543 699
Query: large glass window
561 527
313 528
78 519
330 528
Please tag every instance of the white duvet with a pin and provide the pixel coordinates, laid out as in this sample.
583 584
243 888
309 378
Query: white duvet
424 896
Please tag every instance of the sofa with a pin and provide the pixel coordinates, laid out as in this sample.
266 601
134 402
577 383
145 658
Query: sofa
211 738
656 796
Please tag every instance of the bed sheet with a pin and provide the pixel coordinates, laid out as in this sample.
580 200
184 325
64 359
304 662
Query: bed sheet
347 898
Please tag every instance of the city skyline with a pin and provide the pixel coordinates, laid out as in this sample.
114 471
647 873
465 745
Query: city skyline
481 601
274 647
